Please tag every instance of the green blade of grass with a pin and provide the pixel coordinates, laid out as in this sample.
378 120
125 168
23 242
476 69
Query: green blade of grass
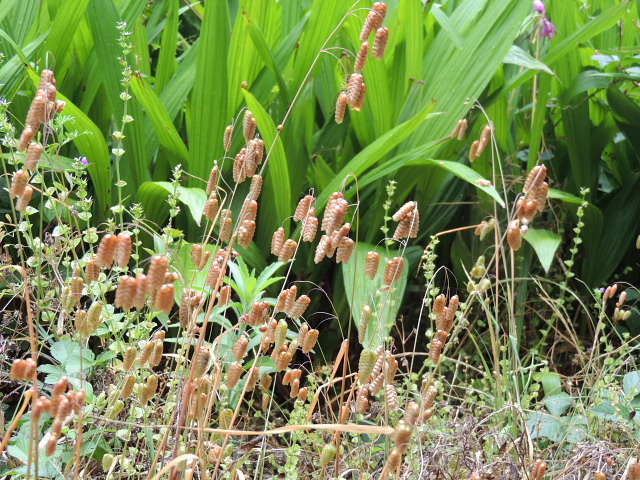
167 63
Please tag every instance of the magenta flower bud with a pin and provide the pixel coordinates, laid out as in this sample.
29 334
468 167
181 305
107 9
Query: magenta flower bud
538 5
548 29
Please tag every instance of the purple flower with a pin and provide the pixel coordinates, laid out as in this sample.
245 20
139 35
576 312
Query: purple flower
84 161
539 6
548 28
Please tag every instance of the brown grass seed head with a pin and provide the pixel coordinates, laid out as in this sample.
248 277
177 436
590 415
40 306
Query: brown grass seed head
341 107
380 43
361 57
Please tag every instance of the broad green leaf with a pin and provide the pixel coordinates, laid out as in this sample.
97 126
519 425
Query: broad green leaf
545 243
519 57
551 383
470 176
631 383
163 125
564 196
584 82
167 63
558 404
361 290
451 31
626 113
153 197
68 354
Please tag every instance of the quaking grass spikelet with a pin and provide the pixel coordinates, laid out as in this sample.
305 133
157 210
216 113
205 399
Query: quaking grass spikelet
287 251
460 129
211 207
125 292
361 57
514 235
228 134
23 201
302 210
344 251
334 213
157 272
310 341
240 347
299 307
365 318
165 298
380 43
359 103
145 353
248 126
485 137
226 225
473 151
127 386
362 400
322 249
239 172
213 179
255 188
107 250
341 107
246 232
366 365
536 176
128 358
310 229
393 270
234 374
123 250
277 241
156 355
353 88
32 157
538 470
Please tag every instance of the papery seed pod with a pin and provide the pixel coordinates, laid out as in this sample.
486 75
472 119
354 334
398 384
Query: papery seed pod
280 335
157 272
303 207
365 318
371 264
255 188
341 107
295 388
340 234
281 303
287 251
156 356
290 300
239 172
514 236
32 157
265 402
327 455
435 350
380 43
473 151
353 87
23 201
225 418
145 353
250 209
226 141
277 241
539 194
128 358
127 386
538 470
226 225
391 397
266 381
214 275
250 159
246 232
77 285
282 361
450 313
142 284
259 151
621 299
248 125
123 249
401 436
152 384
125 292
211 207
80 323
240 347
303 394
26 137
310 229
36 115
300 307
345 249
412 414
107 250
234 374
310 341
393 270
165 298
403 229
460 129
359 103
361 58
536 176
334 213
634 470
429 396
322 249
365 365
302 333
413 220
362 400
94 316
485 136
224 295
92 269
391 368
196 254
253 375
51 445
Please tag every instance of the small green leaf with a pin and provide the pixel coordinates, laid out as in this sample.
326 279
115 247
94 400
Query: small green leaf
517 56
558 404
631 383
545 243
